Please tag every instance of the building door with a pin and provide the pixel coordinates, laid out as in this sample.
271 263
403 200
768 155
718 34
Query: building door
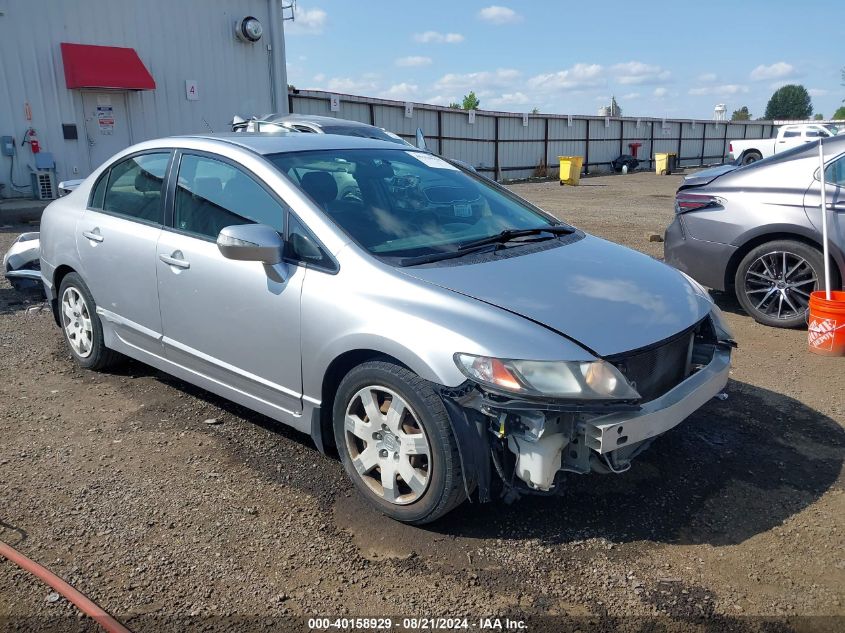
106 125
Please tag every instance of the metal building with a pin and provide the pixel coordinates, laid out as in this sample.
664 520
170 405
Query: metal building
84 79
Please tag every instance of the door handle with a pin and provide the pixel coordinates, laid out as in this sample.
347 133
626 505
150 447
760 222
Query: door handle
175 260
94 235
836 206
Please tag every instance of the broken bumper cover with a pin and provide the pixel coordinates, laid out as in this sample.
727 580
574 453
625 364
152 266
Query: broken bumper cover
621 429
537 440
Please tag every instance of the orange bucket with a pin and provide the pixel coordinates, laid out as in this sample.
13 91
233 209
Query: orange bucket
826 323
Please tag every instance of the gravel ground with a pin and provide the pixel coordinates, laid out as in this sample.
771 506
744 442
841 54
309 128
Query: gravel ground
116 482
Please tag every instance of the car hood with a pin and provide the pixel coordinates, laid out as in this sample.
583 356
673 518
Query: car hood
608 298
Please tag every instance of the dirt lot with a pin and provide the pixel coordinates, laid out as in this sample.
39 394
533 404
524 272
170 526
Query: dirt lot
116 483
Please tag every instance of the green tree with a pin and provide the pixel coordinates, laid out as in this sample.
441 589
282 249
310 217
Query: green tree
455 106
471 102
839 114
741 115
535 110
818 116
789 102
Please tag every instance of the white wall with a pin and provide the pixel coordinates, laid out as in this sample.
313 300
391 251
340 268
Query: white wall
175 39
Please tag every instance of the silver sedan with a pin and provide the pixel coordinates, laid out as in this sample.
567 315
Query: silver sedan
444 335
756 230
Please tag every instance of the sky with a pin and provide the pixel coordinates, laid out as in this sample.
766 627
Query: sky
660 59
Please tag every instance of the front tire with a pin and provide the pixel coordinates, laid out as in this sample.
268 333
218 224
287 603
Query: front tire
774 280
396 443
81 326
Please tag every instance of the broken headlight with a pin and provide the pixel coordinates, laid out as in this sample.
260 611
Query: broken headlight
591 380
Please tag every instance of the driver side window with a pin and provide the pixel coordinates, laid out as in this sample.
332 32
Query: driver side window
212 194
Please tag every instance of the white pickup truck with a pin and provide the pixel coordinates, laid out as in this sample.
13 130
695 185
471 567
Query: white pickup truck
749 150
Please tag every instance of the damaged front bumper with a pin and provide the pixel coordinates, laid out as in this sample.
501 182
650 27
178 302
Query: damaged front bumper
608 433
21 262
531 443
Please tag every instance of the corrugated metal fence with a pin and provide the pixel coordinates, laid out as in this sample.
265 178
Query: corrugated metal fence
501 144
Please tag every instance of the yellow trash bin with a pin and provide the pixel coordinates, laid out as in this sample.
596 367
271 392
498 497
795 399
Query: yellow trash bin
665 163
570 169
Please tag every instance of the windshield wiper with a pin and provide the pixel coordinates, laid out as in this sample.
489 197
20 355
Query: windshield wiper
436 257
509 235
485 243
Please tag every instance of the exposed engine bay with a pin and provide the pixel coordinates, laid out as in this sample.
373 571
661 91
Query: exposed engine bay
530 444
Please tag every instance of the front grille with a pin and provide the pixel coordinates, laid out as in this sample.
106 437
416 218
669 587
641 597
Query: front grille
656 370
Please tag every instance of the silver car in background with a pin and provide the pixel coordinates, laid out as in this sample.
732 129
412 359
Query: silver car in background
434 328
756 230
314 124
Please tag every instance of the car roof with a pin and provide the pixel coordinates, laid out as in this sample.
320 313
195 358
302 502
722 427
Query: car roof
315 119
263 143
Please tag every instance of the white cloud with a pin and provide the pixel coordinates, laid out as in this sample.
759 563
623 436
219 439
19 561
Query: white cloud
401 92
510 99
818 92
307 22
723 90
499 15
660 92
478 81
351 85
413 60
635 73
577 77
319 78
778 70
435 37
707 78
443 100
633 95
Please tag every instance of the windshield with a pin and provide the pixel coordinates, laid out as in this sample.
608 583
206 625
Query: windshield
405 203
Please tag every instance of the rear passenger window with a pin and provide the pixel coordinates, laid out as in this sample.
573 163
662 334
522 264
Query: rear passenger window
791 134
99 192
211 195
834 174
135 187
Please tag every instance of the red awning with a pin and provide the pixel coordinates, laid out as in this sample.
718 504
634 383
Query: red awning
88 66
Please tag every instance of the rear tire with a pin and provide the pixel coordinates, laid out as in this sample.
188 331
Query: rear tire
775 294
81 325
751 157
406 463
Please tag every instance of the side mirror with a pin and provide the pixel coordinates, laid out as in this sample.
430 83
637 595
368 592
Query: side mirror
420 139
251 243
304 248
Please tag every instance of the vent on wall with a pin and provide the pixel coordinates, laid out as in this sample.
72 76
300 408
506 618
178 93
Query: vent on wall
43 185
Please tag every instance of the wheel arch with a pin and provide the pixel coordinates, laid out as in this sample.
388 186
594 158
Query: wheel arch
750 150
334 373
837 260
58 275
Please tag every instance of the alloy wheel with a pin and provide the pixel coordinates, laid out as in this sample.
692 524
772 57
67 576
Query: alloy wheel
76 321
778 284
387 444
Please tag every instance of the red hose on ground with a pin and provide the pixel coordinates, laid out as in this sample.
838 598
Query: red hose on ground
45 575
